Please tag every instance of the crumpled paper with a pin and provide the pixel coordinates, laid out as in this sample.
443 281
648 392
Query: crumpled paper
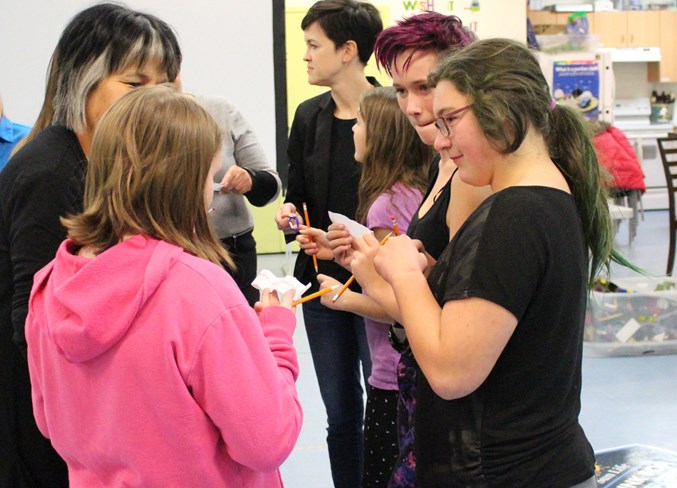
266 279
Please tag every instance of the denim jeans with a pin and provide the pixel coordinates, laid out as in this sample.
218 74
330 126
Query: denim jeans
338 345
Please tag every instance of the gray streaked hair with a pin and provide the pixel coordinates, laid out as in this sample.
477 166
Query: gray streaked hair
101 41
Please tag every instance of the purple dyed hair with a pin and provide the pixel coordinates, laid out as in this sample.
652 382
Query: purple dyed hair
429 31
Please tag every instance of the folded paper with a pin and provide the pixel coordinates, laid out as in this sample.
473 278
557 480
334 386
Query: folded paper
355 228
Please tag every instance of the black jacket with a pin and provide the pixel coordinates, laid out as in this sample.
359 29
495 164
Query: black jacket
42 182
308 154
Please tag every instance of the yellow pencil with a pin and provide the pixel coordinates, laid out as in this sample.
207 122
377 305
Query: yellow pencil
352 277
314 295
343 288
396 228
305 216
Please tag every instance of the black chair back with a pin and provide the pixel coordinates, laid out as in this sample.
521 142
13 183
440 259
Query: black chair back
668 149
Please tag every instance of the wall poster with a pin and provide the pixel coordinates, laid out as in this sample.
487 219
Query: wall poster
576 84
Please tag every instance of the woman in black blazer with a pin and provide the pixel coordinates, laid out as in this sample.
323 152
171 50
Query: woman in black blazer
323 173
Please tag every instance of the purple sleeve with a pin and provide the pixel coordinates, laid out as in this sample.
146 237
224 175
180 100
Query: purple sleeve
401 202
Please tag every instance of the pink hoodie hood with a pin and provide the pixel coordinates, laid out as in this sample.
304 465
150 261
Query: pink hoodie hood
115 284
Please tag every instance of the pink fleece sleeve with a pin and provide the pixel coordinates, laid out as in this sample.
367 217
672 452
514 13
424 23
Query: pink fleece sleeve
244 379
32 336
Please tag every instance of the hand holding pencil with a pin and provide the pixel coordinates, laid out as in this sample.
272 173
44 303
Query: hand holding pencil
305 217
400 256
352 278
312 296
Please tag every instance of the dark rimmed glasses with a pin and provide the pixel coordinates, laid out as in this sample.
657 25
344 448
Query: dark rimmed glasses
445 123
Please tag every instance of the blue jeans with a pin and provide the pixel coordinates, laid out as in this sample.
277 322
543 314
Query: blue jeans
338 344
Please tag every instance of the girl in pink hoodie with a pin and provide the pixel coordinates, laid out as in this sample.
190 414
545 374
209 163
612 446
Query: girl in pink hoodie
148 367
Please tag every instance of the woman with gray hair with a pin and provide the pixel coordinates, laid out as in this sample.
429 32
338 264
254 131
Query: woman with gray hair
105 51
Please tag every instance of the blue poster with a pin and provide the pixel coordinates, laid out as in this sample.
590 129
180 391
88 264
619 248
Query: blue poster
576 84
636 466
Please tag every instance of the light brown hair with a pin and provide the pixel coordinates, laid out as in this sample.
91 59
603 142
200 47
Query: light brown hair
394 151
150 159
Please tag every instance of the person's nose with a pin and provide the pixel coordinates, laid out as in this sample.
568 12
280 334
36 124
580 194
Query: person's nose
442 142
413 107
306 56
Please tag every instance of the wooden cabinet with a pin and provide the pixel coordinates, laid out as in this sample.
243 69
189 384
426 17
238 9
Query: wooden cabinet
657 28
666 70
627 28
545 17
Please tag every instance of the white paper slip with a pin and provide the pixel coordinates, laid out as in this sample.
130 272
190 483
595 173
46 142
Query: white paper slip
217 187
266 279
355 228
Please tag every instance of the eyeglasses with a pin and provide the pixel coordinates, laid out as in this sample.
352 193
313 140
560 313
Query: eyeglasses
445 123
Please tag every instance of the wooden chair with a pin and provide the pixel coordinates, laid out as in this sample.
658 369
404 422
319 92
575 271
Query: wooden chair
668 149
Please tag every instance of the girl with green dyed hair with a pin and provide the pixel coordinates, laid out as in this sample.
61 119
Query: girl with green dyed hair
496 324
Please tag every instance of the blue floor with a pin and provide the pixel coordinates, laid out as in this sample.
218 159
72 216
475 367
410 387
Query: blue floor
624 401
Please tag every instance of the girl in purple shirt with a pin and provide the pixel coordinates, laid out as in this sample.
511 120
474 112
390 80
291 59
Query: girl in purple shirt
394 176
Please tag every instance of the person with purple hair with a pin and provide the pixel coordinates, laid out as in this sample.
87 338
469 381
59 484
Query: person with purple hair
408 51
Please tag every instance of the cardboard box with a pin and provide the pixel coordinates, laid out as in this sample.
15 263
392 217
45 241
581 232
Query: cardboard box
550 29
638 322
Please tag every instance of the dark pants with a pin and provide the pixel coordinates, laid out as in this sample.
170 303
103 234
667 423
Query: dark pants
242 249
381 447
404 472
338 344
27 459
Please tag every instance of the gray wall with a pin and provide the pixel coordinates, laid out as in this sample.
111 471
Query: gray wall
227 50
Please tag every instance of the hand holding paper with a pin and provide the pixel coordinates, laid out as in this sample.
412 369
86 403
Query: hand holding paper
266 279
355 228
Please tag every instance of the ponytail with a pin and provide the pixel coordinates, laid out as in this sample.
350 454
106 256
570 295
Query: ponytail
572 151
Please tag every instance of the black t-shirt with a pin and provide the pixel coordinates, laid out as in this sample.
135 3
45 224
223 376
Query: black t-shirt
344 179
344 172
524 250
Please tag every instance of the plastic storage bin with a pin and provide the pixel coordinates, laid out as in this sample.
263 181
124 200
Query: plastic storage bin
561 43
640 322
